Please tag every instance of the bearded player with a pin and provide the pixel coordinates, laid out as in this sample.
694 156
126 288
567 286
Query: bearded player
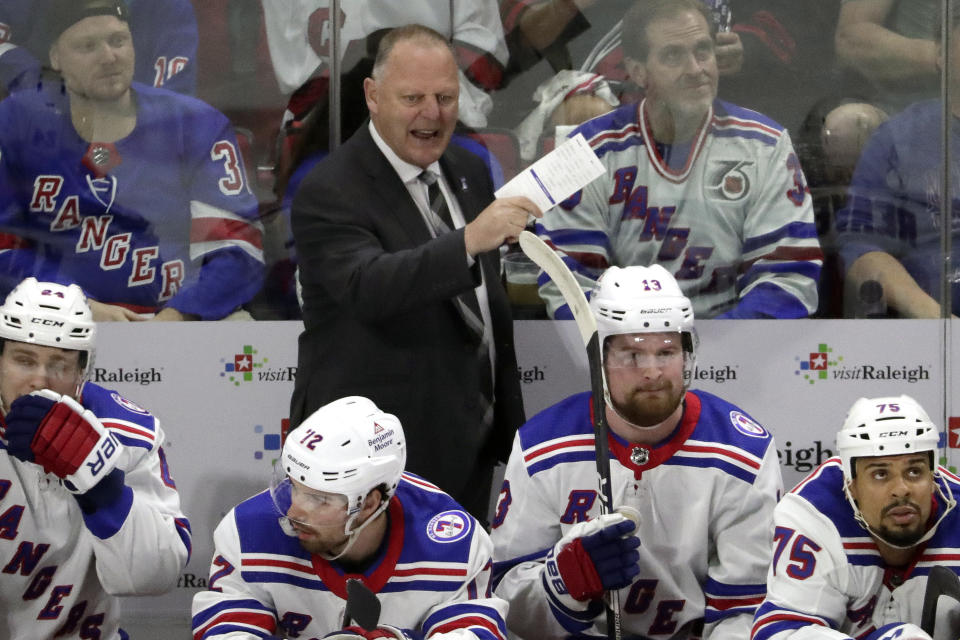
700 473
855 541
340 506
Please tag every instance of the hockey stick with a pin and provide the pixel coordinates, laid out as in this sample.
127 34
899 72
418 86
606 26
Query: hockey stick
545 257
362 606
941 582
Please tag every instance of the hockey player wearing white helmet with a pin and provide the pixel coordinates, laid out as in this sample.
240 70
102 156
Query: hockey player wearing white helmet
701 475
88 508
855 541
340 506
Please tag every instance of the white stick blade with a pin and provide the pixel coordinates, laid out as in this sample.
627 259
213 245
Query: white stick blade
548 260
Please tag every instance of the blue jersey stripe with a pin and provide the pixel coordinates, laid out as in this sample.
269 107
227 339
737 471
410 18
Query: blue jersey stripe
802 230
560 458
716 463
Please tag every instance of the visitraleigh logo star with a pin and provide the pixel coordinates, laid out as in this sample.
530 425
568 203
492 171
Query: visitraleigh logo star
241 367
815 366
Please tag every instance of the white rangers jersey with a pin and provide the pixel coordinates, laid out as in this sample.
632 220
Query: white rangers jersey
431 576
705 496
827 579
61 568
728 214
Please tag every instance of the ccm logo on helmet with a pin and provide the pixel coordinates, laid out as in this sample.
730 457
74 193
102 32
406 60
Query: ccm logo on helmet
47 322
893 434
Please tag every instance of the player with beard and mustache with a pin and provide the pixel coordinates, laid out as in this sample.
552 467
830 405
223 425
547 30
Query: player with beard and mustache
697 476
855 541
340 506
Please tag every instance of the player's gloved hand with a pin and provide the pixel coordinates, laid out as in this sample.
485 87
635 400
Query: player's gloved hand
24 418
900 631
69 441
594 556
382 631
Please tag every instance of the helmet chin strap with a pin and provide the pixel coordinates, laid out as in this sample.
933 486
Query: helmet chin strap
945 494
351 535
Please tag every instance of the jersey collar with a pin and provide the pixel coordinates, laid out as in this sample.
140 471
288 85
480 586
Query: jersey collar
641 457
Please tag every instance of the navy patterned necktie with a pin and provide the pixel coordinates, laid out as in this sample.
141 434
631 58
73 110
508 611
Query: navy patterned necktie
466 302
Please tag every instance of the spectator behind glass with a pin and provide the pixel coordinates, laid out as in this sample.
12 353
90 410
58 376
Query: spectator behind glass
90 507
710 190
891 45
887 53
775 56
341 508
890 230
299 39
136 194
703 523
387 285
164 35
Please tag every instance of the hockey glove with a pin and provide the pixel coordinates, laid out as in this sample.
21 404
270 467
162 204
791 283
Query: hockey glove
594 556
70 442
23 420
382 631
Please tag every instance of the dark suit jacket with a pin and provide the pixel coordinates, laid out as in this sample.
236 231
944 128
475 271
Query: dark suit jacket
379 315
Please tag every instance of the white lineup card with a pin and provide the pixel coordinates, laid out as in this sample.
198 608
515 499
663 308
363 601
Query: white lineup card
557 175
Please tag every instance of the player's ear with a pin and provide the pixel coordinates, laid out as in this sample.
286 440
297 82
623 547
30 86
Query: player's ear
372 501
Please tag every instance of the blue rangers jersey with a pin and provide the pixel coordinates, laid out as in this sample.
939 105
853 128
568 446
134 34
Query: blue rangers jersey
431 576
896 202
162 217
705 496
827 579
61 569
728 214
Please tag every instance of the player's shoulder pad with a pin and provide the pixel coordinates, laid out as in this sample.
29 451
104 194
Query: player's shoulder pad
822 490
133 425
726 423
570 416
432 520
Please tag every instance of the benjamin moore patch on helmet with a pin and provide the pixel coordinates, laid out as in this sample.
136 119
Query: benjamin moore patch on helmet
747 426
449 526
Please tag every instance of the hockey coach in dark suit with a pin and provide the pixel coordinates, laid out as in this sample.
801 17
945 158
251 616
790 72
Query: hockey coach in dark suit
397 235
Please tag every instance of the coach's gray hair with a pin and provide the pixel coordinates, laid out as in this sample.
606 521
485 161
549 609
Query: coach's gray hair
418 32
643 12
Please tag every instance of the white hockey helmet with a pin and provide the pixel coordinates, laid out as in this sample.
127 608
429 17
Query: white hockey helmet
889 426
641 299
50 315
347 447
885 426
